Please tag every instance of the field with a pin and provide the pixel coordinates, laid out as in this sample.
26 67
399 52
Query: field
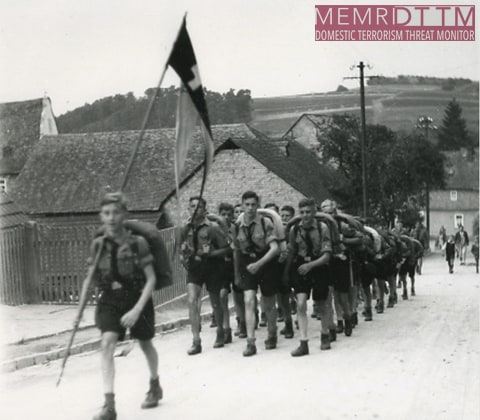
396 106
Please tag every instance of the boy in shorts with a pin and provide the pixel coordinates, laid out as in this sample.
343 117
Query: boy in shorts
204 246
125 276
309 252
255 247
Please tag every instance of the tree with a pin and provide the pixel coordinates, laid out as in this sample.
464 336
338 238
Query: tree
341 88
453 134
398 167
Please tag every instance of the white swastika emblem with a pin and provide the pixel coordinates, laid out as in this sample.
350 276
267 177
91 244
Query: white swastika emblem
195 83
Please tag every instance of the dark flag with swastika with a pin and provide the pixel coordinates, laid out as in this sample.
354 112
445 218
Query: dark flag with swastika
191 104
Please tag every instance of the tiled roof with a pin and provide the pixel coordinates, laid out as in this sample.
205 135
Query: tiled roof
295 164
462 170
10 213
19 131
69 173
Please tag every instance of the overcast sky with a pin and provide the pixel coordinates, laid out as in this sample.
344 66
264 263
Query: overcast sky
81 50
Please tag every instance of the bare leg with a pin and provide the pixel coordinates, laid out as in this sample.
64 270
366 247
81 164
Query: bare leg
109 341
302 315
225 311
152 357
250 300
194 308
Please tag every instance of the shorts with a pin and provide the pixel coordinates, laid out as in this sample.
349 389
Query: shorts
209 272
407 268
113 304
227 276
316 281
279 268
267 277
340 275
368 273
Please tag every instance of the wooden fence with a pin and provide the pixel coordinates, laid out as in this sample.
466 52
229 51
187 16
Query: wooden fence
47 264
19 266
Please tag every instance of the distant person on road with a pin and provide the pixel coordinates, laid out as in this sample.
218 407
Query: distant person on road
421 235
442 239
450 253
461 243
125 276
475 251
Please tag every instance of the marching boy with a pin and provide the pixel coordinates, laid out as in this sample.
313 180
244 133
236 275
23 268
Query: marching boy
309 252
255 246
125 276
204 247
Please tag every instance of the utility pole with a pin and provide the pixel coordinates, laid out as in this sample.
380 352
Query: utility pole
425 123
361 66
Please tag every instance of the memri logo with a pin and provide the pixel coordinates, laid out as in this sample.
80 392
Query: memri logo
395 23
392 17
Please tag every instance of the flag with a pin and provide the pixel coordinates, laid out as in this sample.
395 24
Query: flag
191 104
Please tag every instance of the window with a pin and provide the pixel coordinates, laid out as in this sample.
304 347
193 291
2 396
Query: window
453 195
3 185
458 219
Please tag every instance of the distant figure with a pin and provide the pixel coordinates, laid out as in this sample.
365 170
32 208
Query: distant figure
475 252
421 235
450 253
442 239
461 244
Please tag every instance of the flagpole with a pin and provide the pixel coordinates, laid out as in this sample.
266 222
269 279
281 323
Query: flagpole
147 115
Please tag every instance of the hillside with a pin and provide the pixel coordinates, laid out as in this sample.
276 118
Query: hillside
396 106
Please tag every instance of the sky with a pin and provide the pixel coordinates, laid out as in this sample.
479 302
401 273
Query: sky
79 51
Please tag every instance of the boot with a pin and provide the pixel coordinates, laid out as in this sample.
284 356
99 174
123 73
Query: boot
413 291
220 339
301 350
332 332
339 326
355 319
196 348
325 342
271 342
348 326
108 410
243 330
288 330
251 348
380 307
395 297
154 394
368 314
315 312
405 295
391 302
227 335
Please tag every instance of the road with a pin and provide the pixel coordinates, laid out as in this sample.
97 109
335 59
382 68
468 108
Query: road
418 360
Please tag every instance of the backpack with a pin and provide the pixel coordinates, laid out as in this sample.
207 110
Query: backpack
161 261
337 246
356 227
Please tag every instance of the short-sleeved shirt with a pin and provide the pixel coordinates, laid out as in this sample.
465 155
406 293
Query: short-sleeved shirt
203 237
319 236
121 260
255 236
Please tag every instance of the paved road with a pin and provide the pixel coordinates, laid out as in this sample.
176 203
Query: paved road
416 361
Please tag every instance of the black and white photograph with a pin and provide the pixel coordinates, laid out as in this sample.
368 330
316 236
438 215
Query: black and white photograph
239 210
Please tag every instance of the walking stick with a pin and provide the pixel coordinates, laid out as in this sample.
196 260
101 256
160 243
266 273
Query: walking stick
81 308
